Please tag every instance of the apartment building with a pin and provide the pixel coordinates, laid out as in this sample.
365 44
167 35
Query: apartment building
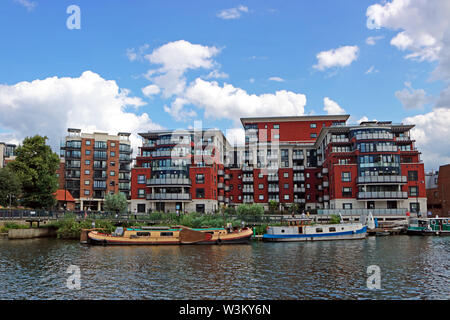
315 162
438 191
179 171
94 165
7 153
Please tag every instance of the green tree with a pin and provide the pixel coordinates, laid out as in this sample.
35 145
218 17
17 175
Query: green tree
116 202
36 165
10 187
250 210
273 205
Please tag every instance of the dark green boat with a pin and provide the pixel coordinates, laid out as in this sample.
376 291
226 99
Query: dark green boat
429 226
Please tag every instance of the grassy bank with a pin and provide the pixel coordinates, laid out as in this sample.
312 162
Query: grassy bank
12 225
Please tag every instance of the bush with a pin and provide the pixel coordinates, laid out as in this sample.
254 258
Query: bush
250 210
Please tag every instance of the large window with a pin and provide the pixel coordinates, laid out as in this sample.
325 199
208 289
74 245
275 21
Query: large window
414 207
141 179
141 193
346 192
413 191
346 176
412 176
200 193
200 178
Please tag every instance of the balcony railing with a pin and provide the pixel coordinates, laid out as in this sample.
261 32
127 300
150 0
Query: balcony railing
381 179
302 190
169 196
299 178
383 195
299 200
339 140
247 190
248 200
359 212
374 136
169 181
274 189
272 178
247 179
247 168
299 168
298 156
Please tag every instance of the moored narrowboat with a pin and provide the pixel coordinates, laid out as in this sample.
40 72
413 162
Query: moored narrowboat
171 235
429 226
303 230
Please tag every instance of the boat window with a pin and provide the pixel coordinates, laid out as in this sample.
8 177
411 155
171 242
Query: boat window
332 229
143 234
210 232
319 230
282 230
166 234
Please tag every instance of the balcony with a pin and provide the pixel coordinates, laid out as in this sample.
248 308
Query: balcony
299 200
221 198
248 200
319 187
247 179
339 140
325 184
168 196
301 190
227 188
326 197
272 178
383 195
272 198
272 156
227 177
220 172
274 189
168 181
359 212
299 168
298 156
247 190
299 178
375 136
382 179
149 145
247 168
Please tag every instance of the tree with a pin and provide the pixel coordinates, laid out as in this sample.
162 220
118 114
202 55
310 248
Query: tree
36 165
116 203
273 205
10 187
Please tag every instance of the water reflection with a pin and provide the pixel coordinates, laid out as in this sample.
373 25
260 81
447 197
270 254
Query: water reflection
411 268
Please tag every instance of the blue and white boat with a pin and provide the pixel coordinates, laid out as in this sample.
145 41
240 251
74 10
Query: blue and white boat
303 230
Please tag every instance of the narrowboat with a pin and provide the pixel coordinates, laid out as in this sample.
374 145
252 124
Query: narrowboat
429 226
171 235
303 230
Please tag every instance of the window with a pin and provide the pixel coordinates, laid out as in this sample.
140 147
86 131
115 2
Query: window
87 182
276 136
239 197
286 185
87 162
141 193
88 142
200 178
88 152
286 174
346 192
286 197
313 135
308 186
200 193
261 197
414 207
141 179
412 176
112 164
112 154
87 172
313 125
166 234
86 192
261 186
413 191
346 176
347 206
260 175
113 144
318 230
332 229
307 174
112 173
276 126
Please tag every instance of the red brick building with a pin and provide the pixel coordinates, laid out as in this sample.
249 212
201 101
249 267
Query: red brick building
94 165
438 191
316 162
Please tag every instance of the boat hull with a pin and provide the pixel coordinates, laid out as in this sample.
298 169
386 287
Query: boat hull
349 235
415 232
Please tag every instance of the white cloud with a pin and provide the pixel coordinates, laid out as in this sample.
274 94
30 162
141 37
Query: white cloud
177 112
235 136
331 107
229 102
371 41
30 5
216 74
175 59
430 132
340 57
412 99
138 55
50 106
232 13
151 90
424 26
251 80
277 79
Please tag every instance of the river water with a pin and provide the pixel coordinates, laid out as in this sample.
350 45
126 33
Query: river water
411 267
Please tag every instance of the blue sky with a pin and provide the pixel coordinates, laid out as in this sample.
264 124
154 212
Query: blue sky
269 39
